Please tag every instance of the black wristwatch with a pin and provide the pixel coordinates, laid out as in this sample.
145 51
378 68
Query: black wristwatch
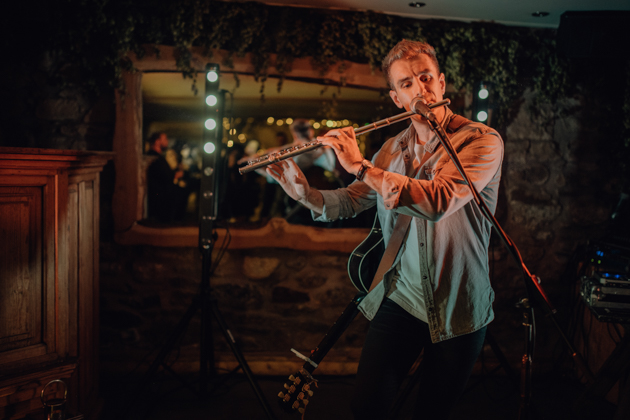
365 165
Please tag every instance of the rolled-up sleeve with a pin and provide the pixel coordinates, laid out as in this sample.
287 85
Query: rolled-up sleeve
440 190
345 203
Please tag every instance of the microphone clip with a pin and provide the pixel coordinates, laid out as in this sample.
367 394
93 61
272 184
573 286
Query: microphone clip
420 108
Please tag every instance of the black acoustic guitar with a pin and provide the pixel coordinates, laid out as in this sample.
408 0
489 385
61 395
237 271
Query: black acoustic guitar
364 260
362 266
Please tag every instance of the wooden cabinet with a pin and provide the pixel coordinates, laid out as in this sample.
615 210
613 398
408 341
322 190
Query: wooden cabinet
49 246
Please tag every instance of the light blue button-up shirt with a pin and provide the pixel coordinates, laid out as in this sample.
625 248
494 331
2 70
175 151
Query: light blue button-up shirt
453 235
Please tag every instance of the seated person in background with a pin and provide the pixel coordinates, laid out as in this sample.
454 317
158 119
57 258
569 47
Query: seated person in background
319 168
242 194
323 157
167 193
281 138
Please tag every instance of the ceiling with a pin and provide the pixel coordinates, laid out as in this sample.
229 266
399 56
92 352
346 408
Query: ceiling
507 12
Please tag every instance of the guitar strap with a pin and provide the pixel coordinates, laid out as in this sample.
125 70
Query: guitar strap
395 241
403 221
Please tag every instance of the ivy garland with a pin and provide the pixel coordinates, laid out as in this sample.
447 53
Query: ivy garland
97 35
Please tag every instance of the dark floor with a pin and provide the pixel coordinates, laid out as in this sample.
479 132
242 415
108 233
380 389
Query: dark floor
488 397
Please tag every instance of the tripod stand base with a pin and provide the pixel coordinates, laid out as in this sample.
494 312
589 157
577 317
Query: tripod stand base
208 306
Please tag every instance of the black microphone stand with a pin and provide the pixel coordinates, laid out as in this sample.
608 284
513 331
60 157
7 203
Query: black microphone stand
422 109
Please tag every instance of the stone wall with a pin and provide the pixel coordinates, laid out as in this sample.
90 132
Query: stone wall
558 192
272 300
554 199
559 189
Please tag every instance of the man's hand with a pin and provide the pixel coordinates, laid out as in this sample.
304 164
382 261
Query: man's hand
344 143
291 179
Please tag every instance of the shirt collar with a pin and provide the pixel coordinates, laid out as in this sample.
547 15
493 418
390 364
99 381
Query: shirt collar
409 135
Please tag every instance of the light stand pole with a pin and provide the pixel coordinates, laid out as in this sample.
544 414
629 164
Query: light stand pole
209 199
204 301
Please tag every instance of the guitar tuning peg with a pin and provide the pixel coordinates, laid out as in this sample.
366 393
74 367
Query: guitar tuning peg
301 410
280 394
287 386
310 393
291 378
305 402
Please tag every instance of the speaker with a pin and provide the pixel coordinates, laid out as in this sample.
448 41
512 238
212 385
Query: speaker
594 34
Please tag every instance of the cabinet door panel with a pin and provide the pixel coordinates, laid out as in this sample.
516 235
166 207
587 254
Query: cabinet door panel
22 281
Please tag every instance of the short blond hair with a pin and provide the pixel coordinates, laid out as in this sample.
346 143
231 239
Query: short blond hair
407 49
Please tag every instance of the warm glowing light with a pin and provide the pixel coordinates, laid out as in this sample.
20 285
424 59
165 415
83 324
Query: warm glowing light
316 125
289 121
330 123
213 76
270 120
482 116
483 93
208 147
232 131
242 136
230 143
210 124
211 100
279 123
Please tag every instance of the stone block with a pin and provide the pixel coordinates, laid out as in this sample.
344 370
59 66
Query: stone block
311 281
257 268
239 297
285 295
61 109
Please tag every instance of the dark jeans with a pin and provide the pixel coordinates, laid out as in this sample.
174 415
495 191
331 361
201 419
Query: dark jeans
393 343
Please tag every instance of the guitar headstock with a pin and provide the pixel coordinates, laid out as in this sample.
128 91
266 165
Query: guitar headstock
297 391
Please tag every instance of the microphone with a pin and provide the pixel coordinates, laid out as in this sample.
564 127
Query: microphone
419 107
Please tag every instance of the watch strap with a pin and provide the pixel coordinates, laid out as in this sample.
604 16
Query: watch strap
364 167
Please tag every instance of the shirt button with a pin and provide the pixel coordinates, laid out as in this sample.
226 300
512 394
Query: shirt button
424 277
421 244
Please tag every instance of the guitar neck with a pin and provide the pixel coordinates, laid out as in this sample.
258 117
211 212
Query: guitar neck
333 334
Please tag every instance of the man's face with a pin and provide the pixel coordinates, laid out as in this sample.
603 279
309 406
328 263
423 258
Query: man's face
163 141
417 76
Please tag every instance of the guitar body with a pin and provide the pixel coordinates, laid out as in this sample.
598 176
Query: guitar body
364 260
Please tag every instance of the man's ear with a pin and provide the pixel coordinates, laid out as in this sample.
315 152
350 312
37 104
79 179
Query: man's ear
394 96
443 83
